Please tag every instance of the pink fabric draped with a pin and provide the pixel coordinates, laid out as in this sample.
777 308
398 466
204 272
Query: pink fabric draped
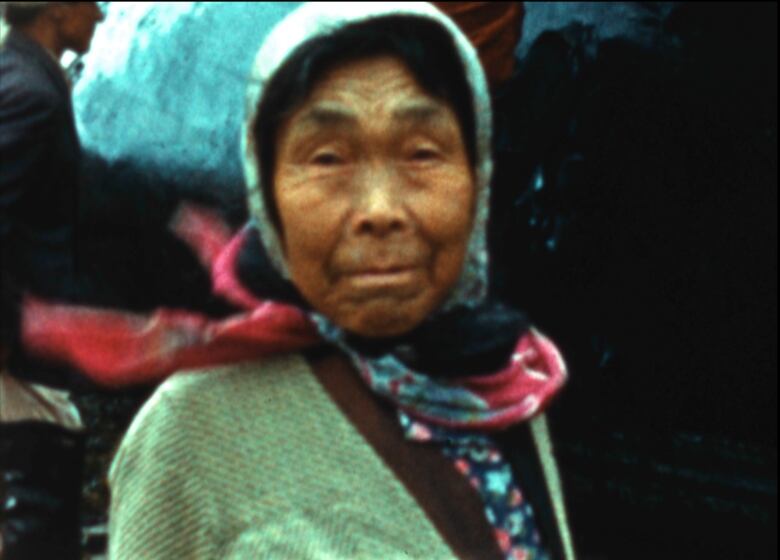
117 349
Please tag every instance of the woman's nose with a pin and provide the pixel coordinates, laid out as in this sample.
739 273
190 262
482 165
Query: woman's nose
380 209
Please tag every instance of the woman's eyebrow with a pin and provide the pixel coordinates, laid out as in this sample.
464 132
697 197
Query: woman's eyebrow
331 116
419 112
327 115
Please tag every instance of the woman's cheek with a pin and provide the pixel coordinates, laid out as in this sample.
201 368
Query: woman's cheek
445 210
309 199
312 224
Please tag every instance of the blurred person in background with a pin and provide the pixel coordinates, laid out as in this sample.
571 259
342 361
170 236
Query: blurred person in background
41 432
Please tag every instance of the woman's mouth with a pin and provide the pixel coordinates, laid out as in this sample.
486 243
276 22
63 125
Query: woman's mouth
382 280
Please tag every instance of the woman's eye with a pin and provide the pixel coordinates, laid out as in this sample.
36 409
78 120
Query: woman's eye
326 158
424 154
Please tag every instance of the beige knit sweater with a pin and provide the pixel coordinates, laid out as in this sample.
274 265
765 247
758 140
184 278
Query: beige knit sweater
256 461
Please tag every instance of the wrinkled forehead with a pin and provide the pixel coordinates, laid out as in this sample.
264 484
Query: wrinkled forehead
378 91
365 76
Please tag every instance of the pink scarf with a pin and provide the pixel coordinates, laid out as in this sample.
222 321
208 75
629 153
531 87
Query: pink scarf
117 349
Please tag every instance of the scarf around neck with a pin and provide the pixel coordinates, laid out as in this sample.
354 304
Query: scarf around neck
481 368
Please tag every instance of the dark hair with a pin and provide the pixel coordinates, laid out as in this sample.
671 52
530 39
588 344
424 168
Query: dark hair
425 46
19 16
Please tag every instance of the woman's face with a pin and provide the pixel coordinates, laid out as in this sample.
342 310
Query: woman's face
375 195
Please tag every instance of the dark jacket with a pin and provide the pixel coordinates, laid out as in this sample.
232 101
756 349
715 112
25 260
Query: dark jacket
39 173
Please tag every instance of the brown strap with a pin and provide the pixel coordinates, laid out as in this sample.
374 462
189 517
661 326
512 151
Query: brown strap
443 493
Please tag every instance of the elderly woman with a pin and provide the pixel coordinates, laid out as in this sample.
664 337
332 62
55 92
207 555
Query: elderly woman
397 413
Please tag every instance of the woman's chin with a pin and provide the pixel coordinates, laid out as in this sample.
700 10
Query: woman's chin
383 319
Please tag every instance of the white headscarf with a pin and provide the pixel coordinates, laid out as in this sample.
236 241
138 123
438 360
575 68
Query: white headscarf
317 19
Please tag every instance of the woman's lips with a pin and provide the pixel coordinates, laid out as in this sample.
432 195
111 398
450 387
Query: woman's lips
383 279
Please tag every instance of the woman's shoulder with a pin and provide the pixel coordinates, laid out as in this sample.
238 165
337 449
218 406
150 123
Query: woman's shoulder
213 384
225 386
192 406
192 460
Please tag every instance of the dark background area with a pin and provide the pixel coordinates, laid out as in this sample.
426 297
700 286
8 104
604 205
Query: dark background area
634 218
